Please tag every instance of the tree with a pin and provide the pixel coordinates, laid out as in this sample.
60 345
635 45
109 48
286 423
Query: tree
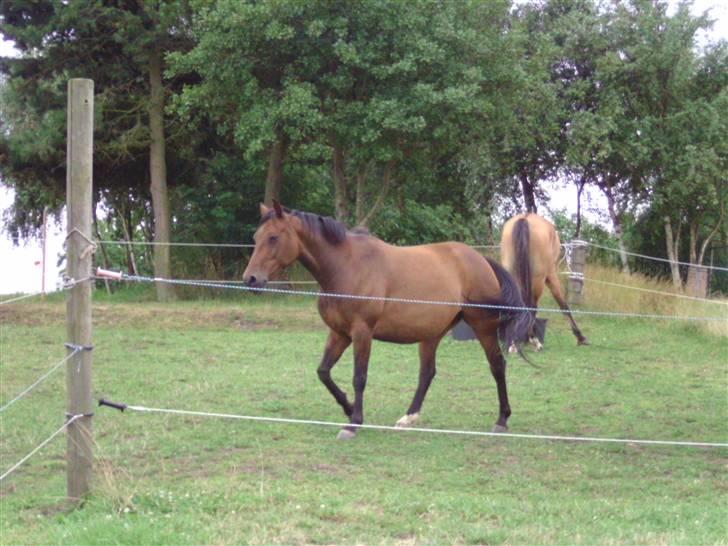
633 65
254 65
678 109
693 192
532 149
367 87
121 48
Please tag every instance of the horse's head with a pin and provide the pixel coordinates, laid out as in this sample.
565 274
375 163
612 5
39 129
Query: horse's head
276 246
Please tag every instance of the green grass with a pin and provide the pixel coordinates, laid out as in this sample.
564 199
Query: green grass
163 479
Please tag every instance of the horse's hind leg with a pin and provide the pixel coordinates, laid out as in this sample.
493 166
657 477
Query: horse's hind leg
427 373
336 344
555 286
537 290
498 368
488 337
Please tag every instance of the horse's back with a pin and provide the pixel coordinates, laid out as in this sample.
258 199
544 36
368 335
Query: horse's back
438 269
441 272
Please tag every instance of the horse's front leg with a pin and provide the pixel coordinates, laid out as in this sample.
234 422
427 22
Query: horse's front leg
336 344
428 370
362 339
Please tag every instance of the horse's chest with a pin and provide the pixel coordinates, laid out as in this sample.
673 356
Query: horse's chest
341 315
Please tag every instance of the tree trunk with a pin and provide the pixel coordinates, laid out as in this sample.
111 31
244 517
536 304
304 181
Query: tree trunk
361 179
274 178
158 175
673 246
579 191
104 253
693 243
125 218
386 184
616 217
697 281
528 194
706 242
341 189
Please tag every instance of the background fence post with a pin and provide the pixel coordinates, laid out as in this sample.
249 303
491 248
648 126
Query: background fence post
577 268
79 169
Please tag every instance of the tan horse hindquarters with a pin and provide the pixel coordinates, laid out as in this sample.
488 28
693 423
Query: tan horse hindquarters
530 249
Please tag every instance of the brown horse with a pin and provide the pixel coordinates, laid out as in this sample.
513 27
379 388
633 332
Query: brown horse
530 249
354 262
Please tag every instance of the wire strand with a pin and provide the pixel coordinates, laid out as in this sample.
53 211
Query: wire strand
205 284
158 243
41 378
13 468
24 296
639 289
429 430
712 267
221 245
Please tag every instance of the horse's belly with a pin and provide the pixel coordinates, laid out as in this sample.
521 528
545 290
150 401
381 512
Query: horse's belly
414 325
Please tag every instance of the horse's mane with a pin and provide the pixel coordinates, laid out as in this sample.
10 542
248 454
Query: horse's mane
332 231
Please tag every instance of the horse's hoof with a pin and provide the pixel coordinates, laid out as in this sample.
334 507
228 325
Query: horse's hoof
407 420
346 434
583 341
513 349
500 428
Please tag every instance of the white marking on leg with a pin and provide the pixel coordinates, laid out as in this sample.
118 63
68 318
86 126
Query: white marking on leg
346 434
513 349
407 420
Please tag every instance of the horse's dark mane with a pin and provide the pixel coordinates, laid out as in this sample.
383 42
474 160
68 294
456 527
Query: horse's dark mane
333 231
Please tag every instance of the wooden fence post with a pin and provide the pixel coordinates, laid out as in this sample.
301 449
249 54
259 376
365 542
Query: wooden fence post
44 253
576 262
79 168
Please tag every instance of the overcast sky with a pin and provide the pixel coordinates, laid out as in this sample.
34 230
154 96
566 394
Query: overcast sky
22 266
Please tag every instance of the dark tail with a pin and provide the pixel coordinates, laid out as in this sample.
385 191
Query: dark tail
515 324
521 243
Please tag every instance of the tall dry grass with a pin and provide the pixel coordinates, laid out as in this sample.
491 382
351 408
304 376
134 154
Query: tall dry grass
608 289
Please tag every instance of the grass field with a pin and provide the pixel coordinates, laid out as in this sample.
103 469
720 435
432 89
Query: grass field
163 479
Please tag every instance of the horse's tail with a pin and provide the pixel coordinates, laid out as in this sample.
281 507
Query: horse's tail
522 268
515 321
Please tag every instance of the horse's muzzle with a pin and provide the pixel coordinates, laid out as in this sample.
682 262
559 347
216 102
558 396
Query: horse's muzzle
253 282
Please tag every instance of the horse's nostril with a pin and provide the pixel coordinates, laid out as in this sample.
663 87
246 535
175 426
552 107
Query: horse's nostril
251 280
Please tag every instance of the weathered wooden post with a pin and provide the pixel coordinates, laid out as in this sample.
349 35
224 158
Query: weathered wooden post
79 246
44 253
698 281
576 262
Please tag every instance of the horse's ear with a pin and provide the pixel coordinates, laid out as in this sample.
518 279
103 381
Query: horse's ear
263 209
278 208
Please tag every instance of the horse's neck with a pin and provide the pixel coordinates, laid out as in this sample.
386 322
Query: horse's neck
322 260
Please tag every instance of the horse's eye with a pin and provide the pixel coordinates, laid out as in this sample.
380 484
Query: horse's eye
273 239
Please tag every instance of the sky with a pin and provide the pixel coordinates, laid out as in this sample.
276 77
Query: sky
23 266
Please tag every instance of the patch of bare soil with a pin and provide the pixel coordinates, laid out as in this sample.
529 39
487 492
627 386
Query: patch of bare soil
140 316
